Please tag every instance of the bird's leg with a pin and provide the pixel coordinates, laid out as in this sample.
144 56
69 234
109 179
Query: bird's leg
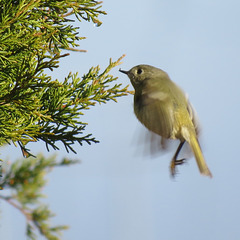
176 162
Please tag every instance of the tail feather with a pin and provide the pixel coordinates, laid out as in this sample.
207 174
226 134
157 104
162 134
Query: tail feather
194 144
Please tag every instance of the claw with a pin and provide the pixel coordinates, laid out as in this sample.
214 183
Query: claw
180 161
175 163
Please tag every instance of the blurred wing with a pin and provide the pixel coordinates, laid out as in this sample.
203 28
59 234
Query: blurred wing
149 144
155 111
152 145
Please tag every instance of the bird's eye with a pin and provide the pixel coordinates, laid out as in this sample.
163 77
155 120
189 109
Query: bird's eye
139 71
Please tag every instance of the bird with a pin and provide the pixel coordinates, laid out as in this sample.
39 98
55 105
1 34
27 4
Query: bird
163 108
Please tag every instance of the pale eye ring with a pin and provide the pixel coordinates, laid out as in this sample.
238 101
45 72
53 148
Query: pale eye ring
139 71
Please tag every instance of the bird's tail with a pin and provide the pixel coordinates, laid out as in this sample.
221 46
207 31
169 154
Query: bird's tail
191 138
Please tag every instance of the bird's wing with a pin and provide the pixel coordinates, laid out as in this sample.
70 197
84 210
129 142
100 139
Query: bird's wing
155 111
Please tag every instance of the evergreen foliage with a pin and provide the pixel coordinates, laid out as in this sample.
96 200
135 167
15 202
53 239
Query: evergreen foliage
33 106
25 179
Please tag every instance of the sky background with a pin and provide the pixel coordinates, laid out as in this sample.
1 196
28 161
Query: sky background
118 193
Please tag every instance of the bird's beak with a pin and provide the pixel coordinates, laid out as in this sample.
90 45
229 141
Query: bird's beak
123 71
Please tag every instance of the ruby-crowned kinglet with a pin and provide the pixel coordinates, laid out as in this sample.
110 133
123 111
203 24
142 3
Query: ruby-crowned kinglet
162 107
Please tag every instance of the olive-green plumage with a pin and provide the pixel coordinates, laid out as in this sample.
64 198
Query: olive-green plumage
162 107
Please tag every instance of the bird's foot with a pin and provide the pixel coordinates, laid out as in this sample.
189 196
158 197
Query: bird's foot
175 163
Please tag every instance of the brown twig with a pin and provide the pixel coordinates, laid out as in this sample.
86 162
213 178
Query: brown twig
75 50
21 209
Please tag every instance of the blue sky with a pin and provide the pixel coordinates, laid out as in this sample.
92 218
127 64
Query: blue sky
117 192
